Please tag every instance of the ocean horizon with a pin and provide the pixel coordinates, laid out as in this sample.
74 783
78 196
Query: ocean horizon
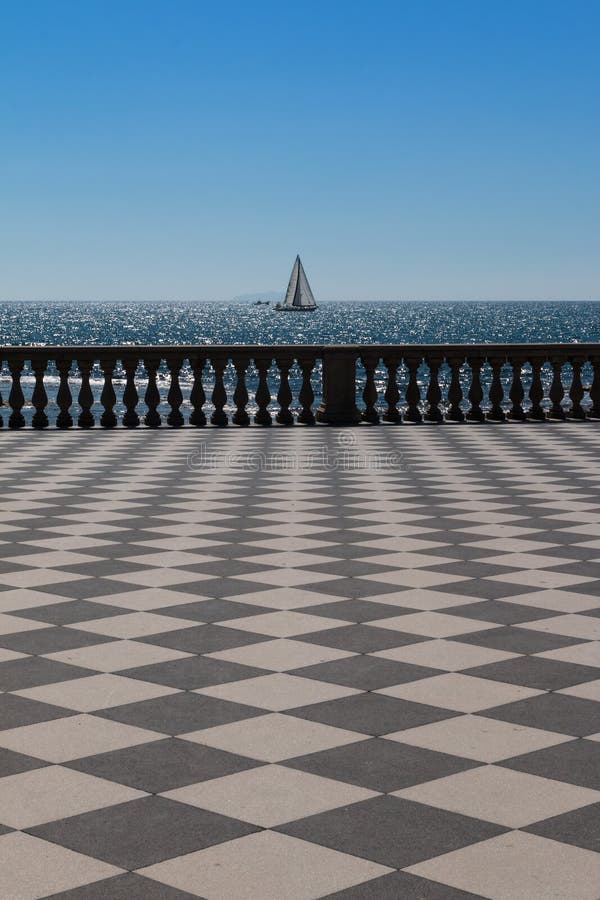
67 322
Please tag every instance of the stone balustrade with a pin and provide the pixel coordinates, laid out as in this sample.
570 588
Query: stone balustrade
346 384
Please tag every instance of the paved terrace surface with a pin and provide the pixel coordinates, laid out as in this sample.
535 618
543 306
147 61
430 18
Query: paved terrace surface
368 676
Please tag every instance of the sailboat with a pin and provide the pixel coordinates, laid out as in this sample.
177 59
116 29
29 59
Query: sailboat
298 297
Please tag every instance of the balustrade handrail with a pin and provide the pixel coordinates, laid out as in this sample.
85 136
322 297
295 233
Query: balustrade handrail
462 382
50 351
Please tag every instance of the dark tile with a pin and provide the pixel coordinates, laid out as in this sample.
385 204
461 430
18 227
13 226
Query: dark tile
192 672
6 567
51 640
361 638
12 763
517 640
593 613
535 672
346 551
465 568
86 588
576 762
231 567
142 832
18 674
16 711
70 611
589 588
162 765
125 887
106 568
358 610
352 588
344 536
502 613
221 587
400 886
120 550
390 831
373 714
179 713
575 567
367 673
578 827
484 588
457 552
204 638
551 712
347 568
209 611
381 765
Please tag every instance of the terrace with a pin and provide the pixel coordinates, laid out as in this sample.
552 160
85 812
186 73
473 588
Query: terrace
309 662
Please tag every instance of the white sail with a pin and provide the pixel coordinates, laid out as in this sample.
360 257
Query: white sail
299 294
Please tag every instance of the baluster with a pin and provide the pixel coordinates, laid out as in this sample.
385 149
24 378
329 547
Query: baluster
306 395
595 388
263 394
63 396
475 414
16 398
284 394
130 394
557 391
152 396
413 394
496 413
39 397
370 414
108 398
197 395
516 393
86 397
240 394
175 397
392 394
1 401
576 411
536 391
219 394
455 394
434 394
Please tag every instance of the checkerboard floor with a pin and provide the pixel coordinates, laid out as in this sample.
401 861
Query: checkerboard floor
299 663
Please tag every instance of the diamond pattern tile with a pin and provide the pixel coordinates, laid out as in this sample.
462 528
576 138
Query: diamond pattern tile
362 681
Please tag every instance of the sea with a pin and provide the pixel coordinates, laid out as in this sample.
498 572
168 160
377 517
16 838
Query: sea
76 323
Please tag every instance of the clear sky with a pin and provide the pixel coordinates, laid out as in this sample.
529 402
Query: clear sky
188 149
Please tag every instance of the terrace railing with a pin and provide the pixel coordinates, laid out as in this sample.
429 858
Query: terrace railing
120 386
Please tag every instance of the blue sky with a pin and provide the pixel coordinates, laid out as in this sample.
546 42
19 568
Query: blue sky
189 149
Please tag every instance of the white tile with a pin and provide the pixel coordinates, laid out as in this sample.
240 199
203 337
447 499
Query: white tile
270 795
273 737
479 738
443 654
495 794
280 655
32 868
73 737
55 792
462 693
268 865
96 692
278 691
517 866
